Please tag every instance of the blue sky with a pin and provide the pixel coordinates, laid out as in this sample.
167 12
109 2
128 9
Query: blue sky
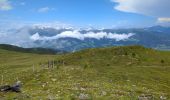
18 17
100 13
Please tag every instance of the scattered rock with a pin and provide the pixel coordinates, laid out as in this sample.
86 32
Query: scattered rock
83 96
5 88
14 88
129 63
145 97
103 93
53 79
82 89
163 98
43 85
128 80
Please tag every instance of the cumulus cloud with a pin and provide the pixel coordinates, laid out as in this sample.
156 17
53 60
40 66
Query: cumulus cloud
155 8
5 5
44 9
77 35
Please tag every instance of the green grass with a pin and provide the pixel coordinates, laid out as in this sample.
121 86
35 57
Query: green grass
115 73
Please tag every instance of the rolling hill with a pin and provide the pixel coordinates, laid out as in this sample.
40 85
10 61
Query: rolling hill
123 73
29 50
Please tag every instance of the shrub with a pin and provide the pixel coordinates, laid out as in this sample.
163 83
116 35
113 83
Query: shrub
162 61
126 53
133 54
87 66
108 65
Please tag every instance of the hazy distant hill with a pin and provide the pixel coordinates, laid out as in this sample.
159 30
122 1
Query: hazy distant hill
29 50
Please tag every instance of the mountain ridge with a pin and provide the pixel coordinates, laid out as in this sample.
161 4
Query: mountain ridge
29 50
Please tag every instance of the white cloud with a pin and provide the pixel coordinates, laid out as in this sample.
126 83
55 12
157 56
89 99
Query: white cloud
44 9
35 37
164 20
5 5
77 35
98 35
19 37
54 25
72 34
155 8
119 37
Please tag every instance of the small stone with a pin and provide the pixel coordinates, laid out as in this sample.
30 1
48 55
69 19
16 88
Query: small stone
145 97
163 98
104 93
83 96
82 89
43 85
54 80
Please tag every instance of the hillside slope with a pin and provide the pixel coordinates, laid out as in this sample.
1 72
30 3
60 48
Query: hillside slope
29 50
125 55
125 73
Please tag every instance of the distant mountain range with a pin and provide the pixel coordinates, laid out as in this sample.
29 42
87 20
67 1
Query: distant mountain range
157 37
70 39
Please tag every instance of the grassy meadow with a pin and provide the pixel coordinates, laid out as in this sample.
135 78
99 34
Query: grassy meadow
114 73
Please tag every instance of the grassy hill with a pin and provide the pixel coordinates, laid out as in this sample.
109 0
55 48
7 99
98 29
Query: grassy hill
28 50
130 55
115 73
